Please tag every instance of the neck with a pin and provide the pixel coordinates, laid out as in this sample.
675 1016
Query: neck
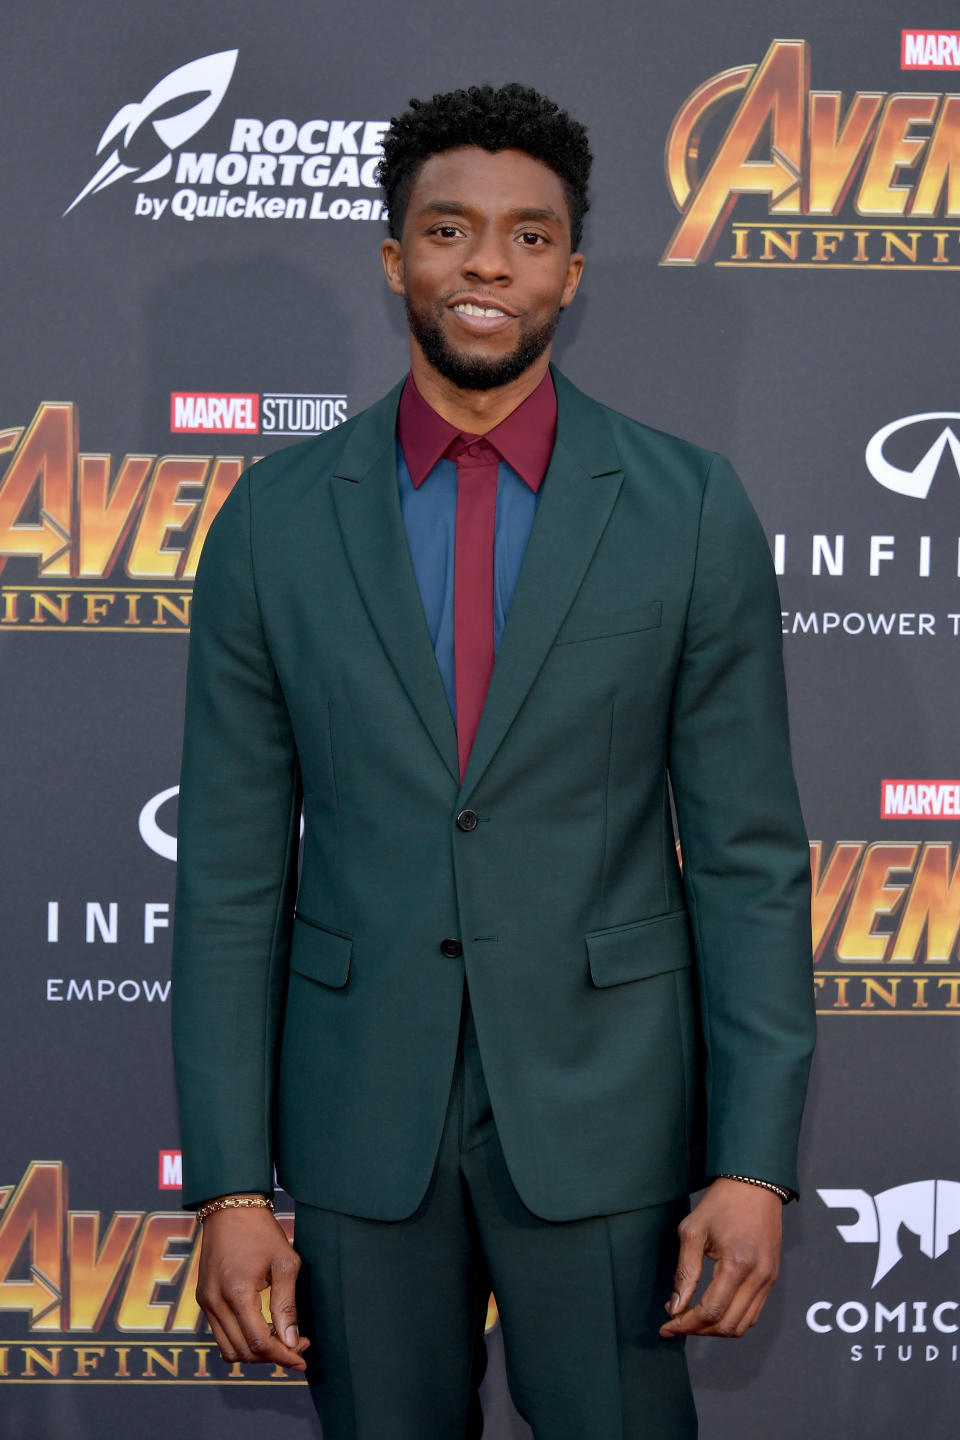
475 411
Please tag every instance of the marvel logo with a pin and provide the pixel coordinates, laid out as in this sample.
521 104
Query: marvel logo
928 799
170 1175
930 50
192 414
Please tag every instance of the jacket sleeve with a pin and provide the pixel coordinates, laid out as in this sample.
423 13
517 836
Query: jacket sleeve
238 837
746 860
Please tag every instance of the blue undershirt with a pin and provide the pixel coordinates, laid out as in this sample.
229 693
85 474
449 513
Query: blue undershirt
429 518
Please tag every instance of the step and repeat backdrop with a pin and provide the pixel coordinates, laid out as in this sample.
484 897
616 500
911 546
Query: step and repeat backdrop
190 279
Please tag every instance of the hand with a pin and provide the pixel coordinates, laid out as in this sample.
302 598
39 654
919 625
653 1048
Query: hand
738 1226
241 1253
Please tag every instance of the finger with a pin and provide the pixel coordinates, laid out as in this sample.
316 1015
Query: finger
686 1277
713 1304
750 1299
227 1350
753 1312
283 1302
301 1345
262 1346
728 1326
222 1322
735 1317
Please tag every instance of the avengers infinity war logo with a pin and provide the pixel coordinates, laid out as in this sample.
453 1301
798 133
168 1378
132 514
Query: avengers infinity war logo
886 923
86 1295
89 543
111 1297
872 182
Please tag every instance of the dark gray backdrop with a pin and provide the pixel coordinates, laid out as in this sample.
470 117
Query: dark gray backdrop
790 374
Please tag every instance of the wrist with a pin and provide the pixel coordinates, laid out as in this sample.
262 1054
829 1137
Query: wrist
779 1190
246 1200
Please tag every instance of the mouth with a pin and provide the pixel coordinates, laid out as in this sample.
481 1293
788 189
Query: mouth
480 316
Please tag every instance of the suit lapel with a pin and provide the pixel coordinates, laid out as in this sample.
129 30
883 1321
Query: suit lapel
579 492
367 502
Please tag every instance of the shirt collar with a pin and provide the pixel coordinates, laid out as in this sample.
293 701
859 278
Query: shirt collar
524 439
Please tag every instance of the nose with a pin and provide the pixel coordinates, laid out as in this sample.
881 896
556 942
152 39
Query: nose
488 259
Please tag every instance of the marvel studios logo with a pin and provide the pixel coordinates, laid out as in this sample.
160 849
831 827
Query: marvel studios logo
929 799
301 414
170 1170
930 50
272 413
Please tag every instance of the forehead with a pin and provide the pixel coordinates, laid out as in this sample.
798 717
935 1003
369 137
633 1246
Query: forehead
495 183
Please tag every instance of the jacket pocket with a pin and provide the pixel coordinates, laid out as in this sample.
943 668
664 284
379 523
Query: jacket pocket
639 950
600 624
320 954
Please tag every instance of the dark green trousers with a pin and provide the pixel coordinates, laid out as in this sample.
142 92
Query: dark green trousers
396 1310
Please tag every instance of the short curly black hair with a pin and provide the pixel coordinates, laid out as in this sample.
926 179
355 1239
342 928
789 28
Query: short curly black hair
513 117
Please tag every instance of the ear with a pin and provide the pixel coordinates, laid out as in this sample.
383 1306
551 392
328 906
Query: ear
574 272
392 257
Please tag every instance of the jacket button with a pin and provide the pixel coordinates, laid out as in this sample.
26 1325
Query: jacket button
468 820
451 948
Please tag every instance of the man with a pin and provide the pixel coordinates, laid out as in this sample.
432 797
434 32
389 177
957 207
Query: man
486 629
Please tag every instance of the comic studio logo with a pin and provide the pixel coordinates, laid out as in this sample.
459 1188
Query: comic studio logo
915 430
894 1227
927 799
927 1209
143 137
930 50
273 413
766 171
257 167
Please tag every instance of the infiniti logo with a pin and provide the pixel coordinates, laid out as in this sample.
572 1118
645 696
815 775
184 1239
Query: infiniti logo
916 482
159 841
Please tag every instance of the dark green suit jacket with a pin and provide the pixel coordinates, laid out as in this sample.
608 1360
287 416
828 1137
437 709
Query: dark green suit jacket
639 1029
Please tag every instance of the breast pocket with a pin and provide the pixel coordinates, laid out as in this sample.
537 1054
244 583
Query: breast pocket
595 624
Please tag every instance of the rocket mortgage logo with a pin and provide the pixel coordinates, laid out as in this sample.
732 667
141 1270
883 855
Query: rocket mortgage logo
255 166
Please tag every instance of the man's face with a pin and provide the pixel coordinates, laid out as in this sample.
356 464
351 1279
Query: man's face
484 263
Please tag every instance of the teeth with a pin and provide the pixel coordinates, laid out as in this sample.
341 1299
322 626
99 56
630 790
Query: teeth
466 308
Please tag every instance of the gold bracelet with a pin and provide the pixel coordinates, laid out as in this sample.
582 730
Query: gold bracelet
234 1202
764 1185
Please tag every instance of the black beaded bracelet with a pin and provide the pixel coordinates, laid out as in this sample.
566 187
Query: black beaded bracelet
764 1184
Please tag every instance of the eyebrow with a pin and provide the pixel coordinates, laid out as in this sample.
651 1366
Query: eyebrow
459 207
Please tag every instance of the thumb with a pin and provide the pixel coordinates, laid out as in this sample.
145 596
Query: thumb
283 1305
689 1268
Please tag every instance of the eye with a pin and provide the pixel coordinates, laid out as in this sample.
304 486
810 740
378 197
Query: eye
446 231
531 239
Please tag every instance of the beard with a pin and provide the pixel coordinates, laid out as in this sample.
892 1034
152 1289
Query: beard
473 372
